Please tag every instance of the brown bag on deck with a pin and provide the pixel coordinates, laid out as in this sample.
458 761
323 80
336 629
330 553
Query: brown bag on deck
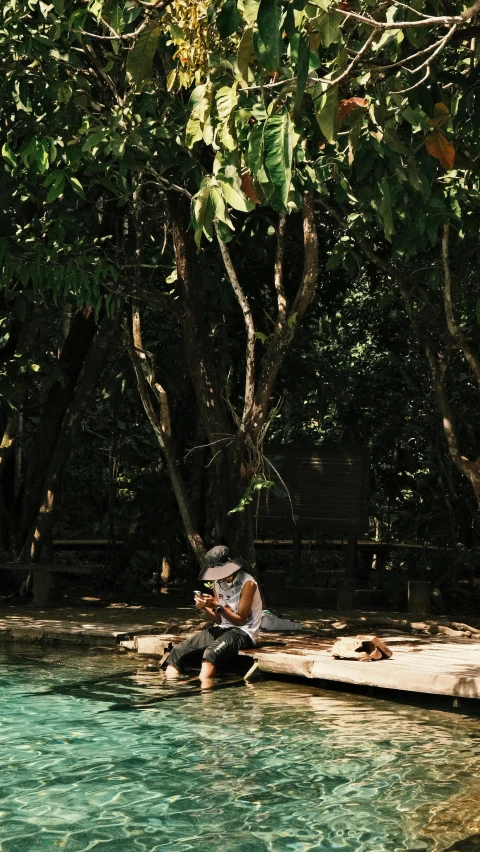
363 648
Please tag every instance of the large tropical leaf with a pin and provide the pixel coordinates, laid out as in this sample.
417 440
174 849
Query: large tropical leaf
202 213
245 55
278 150
226 99
228 19
200 106
140 56
327 112
267 40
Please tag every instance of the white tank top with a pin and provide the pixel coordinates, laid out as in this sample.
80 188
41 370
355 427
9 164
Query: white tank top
230 595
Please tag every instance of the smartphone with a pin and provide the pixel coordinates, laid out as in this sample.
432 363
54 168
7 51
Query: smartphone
197 594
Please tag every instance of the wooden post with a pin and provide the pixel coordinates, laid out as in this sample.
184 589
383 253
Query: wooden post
296 554
46 588
346 590
351 555
420 597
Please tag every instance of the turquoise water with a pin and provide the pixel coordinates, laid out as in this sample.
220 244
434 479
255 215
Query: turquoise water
271 767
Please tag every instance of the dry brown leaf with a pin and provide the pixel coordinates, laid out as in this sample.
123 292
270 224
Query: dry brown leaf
349 104
438 146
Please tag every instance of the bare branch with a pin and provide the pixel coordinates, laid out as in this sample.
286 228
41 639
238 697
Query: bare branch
283 336
440 21
459 338
417 84
440 47
356 59
250 328
150 296
282 303
103 74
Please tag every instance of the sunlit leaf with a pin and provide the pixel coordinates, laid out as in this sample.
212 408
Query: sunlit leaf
278 151
327 111
267 39
140 56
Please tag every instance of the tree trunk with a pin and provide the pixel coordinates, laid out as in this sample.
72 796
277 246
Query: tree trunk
71 360
190 314
42 526
148 387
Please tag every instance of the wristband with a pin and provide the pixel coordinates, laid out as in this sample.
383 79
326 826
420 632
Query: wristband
218 608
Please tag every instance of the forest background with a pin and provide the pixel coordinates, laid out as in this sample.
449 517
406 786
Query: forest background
229 223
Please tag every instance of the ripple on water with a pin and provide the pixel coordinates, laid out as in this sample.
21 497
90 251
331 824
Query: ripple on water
269 768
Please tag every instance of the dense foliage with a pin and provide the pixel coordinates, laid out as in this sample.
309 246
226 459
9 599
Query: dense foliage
184 182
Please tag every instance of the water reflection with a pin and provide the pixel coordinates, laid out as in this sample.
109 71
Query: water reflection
269 767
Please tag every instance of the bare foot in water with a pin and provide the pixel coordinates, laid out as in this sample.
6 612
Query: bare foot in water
171 673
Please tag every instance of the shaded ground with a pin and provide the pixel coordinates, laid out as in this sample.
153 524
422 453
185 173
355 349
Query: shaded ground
118 616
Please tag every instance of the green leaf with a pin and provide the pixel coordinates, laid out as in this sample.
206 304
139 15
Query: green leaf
56 189
140 56
228 19
327 111
267 40
394 143
42 150
202 213
330 28
219 205
278 151
76 186
245 55
200 106
8 155
250 10
235 198
226 100
302 70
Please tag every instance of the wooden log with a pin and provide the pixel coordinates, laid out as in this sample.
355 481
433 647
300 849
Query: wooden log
54 567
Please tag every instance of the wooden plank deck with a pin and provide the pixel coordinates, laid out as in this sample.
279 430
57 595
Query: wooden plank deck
430 665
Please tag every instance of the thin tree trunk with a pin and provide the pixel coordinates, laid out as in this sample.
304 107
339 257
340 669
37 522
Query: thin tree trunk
95 360
71 360
148 387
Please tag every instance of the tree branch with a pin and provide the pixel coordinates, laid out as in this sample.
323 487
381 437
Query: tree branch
250 328
148 386
436 360
440 21
282 304
283 336
459 338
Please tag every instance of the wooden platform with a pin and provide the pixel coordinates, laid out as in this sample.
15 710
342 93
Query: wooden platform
430 665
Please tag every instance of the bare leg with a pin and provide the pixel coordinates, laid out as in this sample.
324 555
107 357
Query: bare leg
207 673
171 673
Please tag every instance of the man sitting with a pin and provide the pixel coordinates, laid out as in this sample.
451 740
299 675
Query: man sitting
235 608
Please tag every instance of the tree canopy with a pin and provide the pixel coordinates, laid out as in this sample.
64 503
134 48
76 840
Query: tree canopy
195 178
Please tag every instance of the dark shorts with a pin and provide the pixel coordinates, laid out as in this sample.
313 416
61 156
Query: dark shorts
214 644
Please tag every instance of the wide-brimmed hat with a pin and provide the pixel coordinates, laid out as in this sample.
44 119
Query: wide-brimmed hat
219 564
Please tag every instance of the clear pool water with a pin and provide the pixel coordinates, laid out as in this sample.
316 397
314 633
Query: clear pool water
273 767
